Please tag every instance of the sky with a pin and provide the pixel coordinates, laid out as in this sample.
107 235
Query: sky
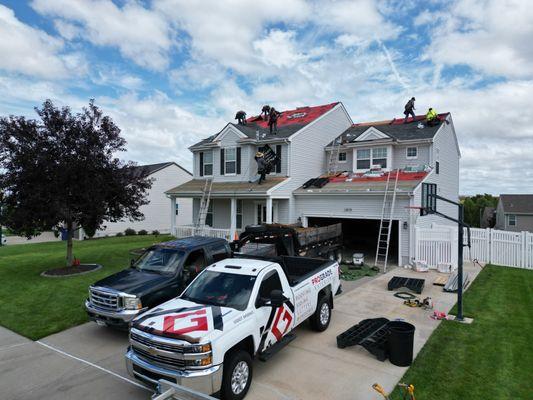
172 72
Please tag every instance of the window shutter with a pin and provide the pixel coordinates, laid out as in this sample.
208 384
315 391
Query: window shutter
222 161
238 160
201 163
278 162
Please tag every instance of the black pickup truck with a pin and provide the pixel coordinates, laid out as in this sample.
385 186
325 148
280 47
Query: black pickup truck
159 274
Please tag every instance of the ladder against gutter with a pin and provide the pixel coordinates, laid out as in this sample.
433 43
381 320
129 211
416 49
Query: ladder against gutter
204 203
385 224
333 163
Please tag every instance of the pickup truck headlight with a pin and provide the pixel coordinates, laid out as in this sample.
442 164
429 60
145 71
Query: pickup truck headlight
132 303
198 348
200 362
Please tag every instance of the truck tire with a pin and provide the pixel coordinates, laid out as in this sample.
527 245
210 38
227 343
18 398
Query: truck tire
320 319
237 375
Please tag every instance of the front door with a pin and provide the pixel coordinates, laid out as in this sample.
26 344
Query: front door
261 213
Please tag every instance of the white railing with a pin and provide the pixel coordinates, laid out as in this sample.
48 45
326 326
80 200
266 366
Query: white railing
190 230
439 245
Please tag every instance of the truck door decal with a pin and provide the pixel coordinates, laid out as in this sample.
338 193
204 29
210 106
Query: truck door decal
282 322
272 325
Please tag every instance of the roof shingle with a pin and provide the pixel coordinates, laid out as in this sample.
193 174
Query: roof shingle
517 203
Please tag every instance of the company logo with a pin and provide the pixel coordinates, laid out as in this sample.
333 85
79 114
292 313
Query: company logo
181 324
152 351
282 322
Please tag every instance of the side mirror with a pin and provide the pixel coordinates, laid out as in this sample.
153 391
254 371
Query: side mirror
132 262
277 299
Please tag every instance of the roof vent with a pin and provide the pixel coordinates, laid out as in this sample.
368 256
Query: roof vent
297 115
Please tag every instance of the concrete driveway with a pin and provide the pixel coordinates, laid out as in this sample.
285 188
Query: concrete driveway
87 361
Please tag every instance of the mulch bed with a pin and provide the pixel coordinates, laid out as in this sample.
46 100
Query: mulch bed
71 271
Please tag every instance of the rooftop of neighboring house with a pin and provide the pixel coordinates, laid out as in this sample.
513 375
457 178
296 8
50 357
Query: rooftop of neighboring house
289 122
362 183
394 129
150 169
517 203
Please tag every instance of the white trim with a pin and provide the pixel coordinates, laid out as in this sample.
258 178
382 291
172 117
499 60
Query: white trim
226 161
372 134
371 149
269 191
407 156
263 203
228 128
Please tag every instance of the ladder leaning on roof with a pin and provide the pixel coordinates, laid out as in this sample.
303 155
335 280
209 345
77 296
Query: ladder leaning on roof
204 203
385 225
333 163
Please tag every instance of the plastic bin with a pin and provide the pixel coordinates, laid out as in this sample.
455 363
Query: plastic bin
401 339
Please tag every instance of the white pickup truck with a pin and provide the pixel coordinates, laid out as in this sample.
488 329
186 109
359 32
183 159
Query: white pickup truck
235 310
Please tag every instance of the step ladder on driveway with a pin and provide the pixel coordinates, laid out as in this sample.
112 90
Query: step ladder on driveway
204 203
385 225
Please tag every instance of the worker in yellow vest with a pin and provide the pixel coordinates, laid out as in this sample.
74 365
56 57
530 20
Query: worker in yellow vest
432 118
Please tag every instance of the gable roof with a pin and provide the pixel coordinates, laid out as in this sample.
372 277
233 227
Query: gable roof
395 129
150 169
517 203
290 122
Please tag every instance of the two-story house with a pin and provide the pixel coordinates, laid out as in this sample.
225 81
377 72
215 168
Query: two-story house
515 212
305 139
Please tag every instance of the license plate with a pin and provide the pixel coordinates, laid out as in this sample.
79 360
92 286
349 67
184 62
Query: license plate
99 322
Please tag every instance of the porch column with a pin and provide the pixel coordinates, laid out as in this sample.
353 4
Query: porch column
269 210
233 217
172 215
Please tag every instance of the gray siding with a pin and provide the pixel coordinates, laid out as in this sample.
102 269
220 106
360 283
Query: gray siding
524 222
356 207
400 160
500 217
444 150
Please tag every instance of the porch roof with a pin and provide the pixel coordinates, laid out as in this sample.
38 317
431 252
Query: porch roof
195 187
360 187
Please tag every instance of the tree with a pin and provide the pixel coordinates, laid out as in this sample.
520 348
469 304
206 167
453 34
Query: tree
475 206
62 171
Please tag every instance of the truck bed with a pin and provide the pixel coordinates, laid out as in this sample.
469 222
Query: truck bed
298 269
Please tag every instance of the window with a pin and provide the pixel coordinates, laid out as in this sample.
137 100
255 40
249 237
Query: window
219 251
159 260
270 282
379 156
208 163
230 164
363 159
177 208
511 220
194 264
412 152
342 157
437 167
239 214
209 215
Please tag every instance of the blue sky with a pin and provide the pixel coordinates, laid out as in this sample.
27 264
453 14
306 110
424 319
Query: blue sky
171 72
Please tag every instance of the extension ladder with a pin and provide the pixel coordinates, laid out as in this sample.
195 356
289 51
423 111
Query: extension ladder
204 203
385 224
333 163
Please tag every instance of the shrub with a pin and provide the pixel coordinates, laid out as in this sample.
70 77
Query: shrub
142 232
130 232
156 232
119 234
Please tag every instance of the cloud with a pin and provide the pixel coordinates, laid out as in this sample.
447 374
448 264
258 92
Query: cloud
278 48
491 36
29 51
141 35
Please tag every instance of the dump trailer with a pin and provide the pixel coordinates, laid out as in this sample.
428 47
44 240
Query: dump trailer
293 240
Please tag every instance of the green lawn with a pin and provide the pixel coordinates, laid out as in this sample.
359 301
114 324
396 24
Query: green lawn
35 306
490 359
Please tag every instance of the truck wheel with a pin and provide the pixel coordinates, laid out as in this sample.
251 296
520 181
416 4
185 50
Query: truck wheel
237 375
320 319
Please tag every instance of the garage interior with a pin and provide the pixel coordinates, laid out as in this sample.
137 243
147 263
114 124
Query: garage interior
360 236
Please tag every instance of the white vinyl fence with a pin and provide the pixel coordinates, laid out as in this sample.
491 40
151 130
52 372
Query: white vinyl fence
181 231
439 245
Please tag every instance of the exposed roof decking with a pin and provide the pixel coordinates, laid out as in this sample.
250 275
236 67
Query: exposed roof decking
195 188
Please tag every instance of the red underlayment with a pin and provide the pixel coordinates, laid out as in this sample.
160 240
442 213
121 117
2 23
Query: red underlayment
360 177
399 120
299 116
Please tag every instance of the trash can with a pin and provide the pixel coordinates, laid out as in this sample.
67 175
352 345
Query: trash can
401 338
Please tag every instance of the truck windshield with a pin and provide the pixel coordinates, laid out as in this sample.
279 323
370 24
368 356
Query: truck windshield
159 260
221 289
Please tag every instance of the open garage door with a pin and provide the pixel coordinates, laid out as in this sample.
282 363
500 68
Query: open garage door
361 235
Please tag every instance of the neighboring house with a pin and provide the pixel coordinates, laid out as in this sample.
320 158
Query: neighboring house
515 212
305 139
156 212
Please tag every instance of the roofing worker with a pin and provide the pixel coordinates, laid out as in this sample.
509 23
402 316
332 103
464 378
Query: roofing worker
273 120
261 166
265 110
409 109
432 118
241 117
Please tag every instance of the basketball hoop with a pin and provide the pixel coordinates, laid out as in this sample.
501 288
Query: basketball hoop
414 213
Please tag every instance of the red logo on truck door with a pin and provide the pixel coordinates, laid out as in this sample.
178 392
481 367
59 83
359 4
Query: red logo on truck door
186 322
282 322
